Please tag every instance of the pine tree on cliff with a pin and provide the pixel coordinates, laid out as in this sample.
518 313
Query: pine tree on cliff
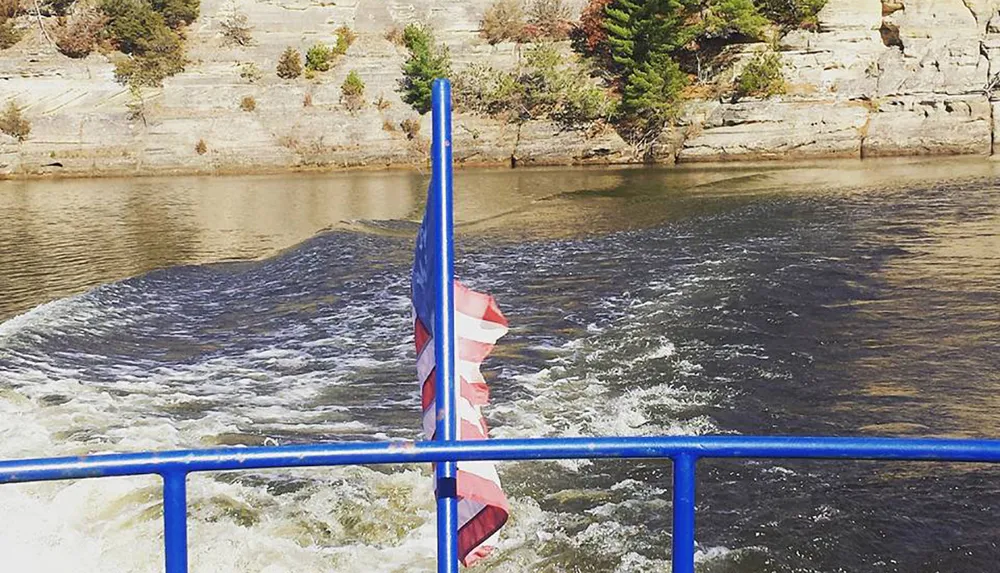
642 35
427 62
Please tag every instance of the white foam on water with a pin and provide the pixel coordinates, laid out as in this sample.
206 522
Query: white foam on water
613 379
337 519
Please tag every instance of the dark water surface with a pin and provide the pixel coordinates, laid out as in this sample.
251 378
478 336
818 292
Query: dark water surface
835 298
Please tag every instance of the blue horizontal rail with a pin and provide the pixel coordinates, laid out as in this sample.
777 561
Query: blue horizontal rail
173 466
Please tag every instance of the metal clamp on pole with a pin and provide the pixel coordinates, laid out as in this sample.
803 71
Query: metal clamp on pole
444 325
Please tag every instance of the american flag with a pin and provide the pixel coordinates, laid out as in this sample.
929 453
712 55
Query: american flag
482 505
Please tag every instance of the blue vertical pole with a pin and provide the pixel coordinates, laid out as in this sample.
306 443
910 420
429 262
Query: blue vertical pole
444 325
175 521
683 544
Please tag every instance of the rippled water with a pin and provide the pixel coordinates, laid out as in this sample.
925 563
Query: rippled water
841 298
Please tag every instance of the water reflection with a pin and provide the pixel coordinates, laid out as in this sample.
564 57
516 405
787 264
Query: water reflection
60 237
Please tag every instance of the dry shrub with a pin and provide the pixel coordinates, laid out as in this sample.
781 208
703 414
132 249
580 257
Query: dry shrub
136 104
200 148
9 35
250 72
504 21
388 126
248 103
411 127
290 64
381 103
307 100
80 33
9 9
345 37
289 142
13 122
236 29
395 35
550 19
590 32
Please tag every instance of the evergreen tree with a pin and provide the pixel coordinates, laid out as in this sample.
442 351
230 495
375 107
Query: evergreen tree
653 89
642 37
427 62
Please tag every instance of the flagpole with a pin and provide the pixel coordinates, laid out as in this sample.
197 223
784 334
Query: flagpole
444 325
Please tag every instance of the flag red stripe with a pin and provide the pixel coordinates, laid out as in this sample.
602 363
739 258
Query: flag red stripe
487 522
422 335
472 487
478 394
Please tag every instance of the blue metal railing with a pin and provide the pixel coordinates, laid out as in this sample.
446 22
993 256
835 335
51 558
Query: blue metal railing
685 452
446 452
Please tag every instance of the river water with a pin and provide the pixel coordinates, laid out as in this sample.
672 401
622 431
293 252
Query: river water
831 298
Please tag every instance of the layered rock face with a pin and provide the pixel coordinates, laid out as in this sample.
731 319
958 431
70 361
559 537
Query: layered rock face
897 77
906 77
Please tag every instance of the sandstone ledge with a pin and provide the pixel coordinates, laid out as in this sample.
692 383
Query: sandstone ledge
872 82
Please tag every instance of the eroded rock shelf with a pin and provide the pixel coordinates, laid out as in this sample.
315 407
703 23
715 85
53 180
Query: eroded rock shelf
879 78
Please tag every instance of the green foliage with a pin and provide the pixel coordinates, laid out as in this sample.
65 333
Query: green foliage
641 40
353 85
427 61
131 23
177 13
503 21
487 91
791 14
652 91
319 58
289 64
548 87
13 122
762 76
560 90
149 70
146 32
726 18
57 7
352 91
345 37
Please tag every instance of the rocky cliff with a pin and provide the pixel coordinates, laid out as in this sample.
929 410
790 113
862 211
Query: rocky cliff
878 78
